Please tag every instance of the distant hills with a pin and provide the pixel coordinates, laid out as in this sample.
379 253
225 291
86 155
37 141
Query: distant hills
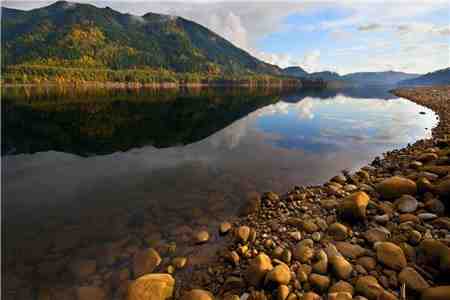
440 77
360 78
67 34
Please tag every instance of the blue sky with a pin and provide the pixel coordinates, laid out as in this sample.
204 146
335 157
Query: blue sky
343 36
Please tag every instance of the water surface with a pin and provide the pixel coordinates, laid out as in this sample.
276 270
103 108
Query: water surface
101 166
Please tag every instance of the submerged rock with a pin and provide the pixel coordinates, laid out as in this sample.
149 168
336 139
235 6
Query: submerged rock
152 287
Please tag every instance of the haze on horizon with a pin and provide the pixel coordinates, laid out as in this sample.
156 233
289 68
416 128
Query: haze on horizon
345 36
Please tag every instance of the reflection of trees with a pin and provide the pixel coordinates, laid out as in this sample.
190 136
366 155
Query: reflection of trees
104 121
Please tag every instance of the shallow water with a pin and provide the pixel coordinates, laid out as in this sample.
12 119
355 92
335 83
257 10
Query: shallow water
155 167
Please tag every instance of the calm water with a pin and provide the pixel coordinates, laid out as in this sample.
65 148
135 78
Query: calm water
84 168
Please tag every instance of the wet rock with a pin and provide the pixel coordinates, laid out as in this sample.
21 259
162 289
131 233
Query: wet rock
319 283
303 251
382 219
427 216
369 263
436 293
435 253
390 255
341 267
224 228
338 231
243 233
282 292
145 261
395 187
90 293
353 207
339 296
369 287
375 235
272 197
201 237
303 272
443 188
406 204
179 262
412 279
152 287
350 250
258 268
311 296
342 287
435 206
423 185
233 257
427 157
321 264
280 274
197 294
310 226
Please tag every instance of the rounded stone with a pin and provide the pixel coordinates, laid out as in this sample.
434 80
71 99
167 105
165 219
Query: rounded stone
201 237
280 274
395 187
369 287
341 267
319 282
406 204
412 279
258 268
145 261
391 255
224 228
342 287
338 231
354 206
152 287
197 294
242 233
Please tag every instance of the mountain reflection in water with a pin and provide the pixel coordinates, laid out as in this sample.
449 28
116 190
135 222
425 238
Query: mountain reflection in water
189 161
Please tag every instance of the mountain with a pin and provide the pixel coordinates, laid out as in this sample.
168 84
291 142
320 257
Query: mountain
67 34
360 78
325 75
295 71
378 78
439 77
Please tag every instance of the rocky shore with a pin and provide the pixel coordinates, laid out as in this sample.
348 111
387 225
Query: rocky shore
379 233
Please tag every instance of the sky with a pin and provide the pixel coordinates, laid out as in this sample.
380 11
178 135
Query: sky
342 36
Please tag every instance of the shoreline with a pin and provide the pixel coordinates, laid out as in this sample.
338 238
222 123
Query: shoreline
380 233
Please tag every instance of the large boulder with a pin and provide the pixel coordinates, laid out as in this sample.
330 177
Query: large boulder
152 287
353 207
396 186
391 255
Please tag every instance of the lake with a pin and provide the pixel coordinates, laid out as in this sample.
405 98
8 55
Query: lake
83 169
